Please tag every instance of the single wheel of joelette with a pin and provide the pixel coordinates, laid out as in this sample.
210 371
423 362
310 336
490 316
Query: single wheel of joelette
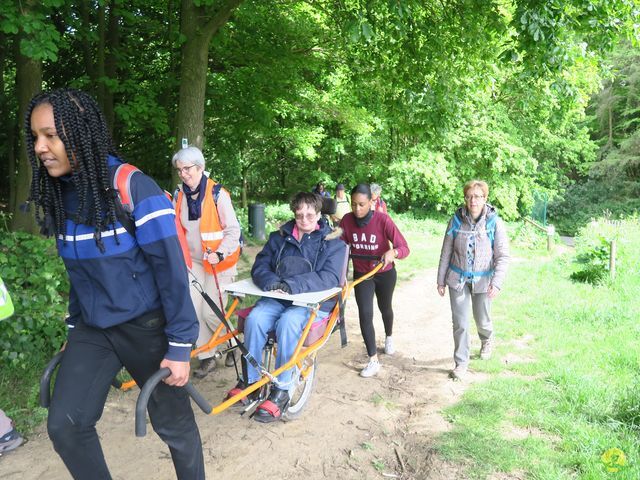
301 392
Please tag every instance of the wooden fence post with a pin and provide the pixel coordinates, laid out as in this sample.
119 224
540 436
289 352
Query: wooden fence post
551 231
612 259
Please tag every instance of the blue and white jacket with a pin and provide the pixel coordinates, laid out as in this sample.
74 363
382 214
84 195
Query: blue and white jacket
142 273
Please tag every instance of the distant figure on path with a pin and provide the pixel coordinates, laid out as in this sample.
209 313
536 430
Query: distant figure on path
378 204
473 264
343 204
320 190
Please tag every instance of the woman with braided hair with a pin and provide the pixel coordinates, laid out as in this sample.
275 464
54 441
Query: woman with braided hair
127 285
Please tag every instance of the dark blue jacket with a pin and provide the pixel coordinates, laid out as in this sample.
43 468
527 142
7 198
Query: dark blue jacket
322 250
133 276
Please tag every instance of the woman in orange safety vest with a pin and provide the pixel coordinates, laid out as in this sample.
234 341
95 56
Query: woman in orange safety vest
212 235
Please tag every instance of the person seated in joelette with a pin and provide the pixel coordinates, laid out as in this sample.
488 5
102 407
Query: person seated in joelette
304 255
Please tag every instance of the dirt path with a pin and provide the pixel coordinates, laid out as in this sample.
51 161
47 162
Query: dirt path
353 428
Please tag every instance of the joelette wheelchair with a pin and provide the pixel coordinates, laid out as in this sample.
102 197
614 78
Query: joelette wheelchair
304 359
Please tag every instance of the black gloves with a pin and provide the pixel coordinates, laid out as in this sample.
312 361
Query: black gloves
279 286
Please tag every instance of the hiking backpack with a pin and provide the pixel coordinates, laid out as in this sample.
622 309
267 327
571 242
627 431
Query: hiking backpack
490 226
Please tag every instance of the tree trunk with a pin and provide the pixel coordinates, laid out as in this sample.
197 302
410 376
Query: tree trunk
28 83
197 25
87 51
610 139
111 66
7 177
100 56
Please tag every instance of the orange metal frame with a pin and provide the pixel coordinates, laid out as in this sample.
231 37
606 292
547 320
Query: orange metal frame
299 355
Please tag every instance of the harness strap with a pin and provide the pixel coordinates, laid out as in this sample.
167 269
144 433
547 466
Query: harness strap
343 321
215 276
124 203
455 226
122 183
468 274
271 408
221 317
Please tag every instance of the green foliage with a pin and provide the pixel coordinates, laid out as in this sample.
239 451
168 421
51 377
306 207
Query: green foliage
523 235
39 38
583 202
37 283
419 97
419 179
594 262
593 244
276 214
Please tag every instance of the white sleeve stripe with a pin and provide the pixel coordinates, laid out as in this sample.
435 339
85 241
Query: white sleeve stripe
156 214
175 344
90 236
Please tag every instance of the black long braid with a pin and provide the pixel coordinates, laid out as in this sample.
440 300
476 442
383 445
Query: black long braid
82 128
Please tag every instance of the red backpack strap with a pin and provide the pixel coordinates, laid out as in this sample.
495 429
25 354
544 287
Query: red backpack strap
122 184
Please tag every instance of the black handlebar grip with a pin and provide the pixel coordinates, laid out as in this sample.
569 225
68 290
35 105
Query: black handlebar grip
147 390
45 380
143 399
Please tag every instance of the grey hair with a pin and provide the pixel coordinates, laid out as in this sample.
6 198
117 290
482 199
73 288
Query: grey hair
376 189
189 155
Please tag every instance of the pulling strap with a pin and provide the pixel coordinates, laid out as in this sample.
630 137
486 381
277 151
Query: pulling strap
216 310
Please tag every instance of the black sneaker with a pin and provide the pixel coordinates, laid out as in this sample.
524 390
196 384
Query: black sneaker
10 441
207 366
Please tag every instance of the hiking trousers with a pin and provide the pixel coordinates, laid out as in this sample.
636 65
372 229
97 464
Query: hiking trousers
382 285
206 317
462 304
91 360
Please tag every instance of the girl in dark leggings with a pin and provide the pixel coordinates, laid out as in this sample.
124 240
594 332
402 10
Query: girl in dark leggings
371 233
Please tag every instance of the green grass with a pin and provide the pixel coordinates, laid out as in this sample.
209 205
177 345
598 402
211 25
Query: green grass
424 236
19 395
576 388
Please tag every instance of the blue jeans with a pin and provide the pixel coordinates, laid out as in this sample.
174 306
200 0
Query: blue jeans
288 322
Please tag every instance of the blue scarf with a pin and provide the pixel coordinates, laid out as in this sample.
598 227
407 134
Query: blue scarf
195 198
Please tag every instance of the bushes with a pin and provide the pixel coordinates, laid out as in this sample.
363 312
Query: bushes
36 279
593 249
586 201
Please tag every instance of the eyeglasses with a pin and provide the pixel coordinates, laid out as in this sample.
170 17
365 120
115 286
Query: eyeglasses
473 197
309 216
184 170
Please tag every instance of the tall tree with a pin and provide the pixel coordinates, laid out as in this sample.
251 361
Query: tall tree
200 21
35 41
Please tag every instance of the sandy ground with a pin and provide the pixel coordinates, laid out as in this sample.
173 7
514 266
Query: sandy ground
352 428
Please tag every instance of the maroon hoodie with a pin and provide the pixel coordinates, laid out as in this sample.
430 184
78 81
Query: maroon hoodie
375 238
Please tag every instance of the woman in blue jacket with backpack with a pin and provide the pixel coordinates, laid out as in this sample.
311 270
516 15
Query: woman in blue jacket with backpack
128 282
